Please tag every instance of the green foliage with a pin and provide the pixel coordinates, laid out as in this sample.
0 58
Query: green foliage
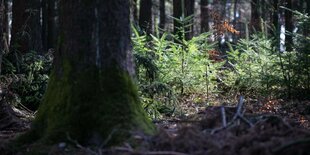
167 69
254 66
31 80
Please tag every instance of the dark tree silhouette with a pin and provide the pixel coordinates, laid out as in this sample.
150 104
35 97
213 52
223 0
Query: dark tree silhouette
204 15
162 14
145 17
255 16
288 26
26 27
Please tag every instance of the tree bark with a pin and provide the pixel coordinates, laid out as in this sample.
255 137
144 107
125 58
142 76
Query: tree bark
204 15
177 13
288 26
189 10
91 95
2 30
308 7
162 14
52 29
44 12
255 16
145 17
26 27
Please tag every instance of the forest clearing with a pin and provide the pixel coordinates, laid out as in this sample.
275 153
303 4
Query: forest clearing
155 77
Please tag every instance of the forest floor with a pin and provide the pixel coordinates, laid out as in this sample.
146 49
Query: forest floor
270 127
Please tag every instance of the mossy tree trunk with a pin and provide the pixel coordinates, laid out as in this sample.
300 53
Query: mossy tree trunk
91 95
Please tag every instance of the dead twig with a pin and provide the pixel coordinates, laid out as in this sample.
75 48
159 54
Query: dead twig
224 122
238 116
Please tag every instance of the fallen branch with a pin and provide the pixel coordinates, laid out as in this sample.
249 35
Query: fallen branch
238 116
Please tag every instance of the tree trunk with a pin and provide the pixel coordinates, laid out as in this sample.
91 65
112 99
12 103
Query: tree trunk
204 15
189 10
145 19
275 16
44 24
288 26
26 27
177 13
91 95
255 16
52 30
162 14
2 30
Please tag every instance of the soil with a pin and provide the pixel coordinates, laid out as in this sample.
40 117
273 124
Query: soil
270 127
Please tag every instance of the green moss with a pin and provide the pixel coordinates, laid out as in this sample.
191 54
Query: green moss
89 106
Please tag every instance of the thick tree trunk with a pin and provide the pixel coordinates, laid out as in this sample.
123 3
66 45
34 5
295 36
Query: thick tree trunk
204 15
91 95
26 27
145 17
162 14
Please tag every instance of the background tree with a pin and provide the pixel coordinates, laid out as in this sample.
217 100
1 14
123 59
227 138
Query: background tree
289 25
255 16
91 95
2 30
177 13
145 16
189 11
26 27
204 18
162 14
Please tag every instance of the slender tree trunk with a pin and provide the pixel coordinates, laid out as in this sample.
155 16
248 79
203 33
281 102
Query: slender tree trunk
44 24
204 17
275 16
52 29
26 27
289 26
189 10
2 30
255 16
162 14
145 19
91 96
177 13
